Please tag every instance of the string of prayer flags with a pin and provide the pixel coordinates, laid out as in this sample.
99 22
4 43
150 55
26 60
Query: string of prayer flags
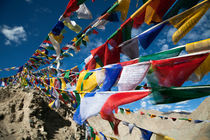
174 71
132 76
164 95
8 69
185 21
116 100
179 5
172 118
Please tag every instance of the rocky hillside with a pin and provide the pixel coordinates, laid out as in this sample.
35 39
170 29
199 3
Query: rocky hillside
24 114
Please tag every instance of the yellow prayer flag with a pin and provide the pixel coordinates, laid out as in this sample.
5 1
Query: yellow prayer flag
97 137
63 86
58 38
86 38
162 137
203 69
150 14
185 21
198 46
52 80
123 8
72 26
86 85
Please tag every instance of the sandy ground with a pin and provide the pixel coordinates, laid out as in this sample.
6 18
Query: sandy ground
25 115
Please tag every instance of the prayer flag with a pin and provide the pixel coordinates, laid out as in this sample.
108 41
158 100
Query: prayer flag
174 71
72 6
185 21
72 25
177 6
111 74
156 9
123 8
149 35
162 137
83 12
165 95
198 46
90 105
132 76
146 134
118 99
162 55
130 48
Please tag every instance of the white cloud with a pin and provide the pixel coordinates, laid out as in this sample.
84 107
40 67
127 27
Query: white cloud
164 47
159 107
179 106
135 32
179 110
181 103
143 104
170 33
124 58
16 34
7 42
161 42
96 43
163 106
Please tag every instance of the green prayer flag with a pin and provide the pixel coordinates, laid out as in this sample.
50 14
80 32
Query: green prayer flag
67 74
162 55
122 110
80 2
164 95
65 97
77 98
126 31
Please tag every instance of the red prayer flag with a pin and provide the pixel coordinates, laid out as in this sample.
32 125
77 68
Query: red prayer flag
71 7
175 71
118 99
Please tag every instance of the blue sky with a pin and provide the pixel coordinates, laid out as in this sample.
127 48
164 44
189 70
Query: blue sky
24 25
